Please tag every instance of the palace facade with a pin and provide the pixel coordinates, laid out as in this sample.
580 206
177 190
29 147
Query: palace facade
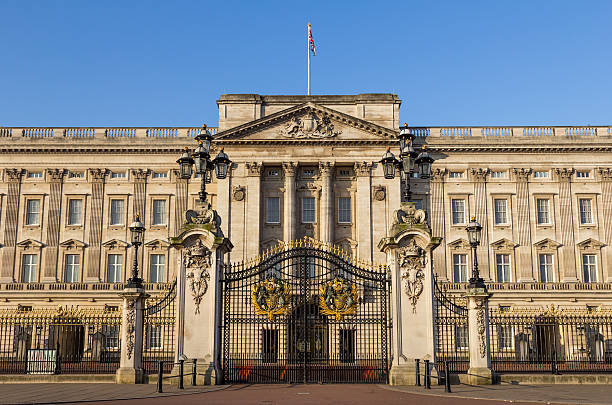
307 166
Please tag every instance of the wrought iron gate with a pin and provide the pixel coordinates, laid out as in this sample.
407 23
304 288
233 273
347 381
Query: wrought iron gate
305 312
451 330
158 338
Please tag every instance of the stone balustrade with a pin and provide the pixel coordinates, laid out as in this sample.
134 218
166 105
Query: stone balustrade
421 132
534 286
77 286
91 132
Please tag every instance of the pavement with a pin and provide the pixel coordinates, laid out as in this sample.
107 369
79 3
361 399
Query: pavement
354 394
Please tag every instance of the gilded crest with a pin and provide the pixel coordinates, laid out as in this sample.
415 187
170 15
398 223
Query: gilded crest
271 297
338 297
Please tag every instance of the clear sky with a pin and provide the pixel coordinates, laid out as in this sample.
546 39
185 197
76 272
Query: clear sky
164 63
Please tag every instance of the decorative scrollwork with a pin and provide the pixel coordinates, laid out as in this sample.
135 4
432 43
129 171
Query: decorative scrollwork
338 297
271 297
131 326
412 263
480 322
197 264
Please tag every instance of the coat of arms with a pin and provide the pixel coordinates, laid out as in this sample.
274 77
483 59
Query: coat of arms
338 297
309 126
270 297
197 264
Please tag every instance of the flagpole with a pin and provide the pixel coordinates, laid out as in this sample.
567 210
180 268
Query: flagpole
308 50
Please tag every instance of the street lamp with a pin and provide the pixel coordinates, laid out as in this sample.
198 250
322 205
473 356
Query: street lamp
408 159
474 230
137 230
203 165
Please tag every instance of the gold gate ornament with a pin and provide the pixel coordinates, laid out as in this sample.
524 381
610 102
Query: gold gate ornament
270 297
338 297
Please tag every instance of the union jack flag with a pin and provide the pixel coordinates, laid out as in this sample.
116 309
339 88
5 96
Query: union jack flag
311 42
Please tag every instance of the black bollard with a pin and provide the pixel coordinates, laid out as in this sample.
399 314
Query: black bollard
447 387
160 375
427 376
193 374
181 373
418 372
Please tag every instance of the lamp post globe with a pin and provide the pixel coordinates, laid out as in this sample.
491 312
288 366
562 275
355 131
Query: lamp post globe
474 231
137 230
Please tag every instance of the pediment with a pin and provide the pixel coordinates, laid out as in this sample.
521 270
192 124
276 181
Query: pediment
503 244
30 244
157 244
546 244
115 244
590 244
459 244
308 122
73 244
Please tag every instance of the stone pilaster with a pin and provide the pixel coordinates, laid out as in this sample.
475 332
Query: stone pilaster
181 199
479 372
567 253
437 221
479 177
524 265
132 327
327 202
97 178
363 220
13 178
605 179
289 203
139 177
253 210
56 178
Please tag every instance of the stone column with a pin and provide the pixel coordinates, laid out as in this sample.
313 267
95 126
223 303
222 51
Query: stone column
363 220
605 178
326 208
181 199
479 176
139 177
132 328
524 265
567 252
289 203
253 211
479 372
97 178
436 213
55 177
7 271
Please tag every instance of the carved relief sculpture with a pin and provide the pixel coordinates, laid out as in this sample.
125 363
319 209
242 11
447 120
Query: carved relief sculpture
338 297
412 264
309 126
482 331
131 326
197 265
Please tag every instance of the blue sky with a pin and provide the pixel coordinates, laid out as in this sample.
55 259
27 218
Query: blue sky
154 63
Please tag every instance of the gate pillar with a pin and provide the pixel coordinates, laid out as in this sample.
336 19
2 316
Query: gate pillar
202 255
132 322
479 372
409 247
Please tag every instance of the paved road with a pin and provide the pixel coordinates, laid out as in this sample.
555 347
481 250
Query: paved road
304 394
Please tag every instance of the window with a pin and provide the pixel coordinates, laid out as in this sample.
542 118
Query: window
543 208
460 269
344 210
115 265
583 174
308 172
269 349
503 268
273 210
455 175
154 336
308 210
158 268
344 172
540 175
501 210
71 268
28 274
112 336
32 212
546 268
461 337
273 173
159 212
504 337
75 212
589 265
458 211
34 175
76 175
498 175
160 175
346 347
117 214
586 216
117 175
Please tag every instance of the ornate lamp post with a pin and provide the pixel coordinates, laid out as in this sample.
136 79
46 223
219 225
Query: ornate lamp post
408 159
203 165
137 230
474 230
